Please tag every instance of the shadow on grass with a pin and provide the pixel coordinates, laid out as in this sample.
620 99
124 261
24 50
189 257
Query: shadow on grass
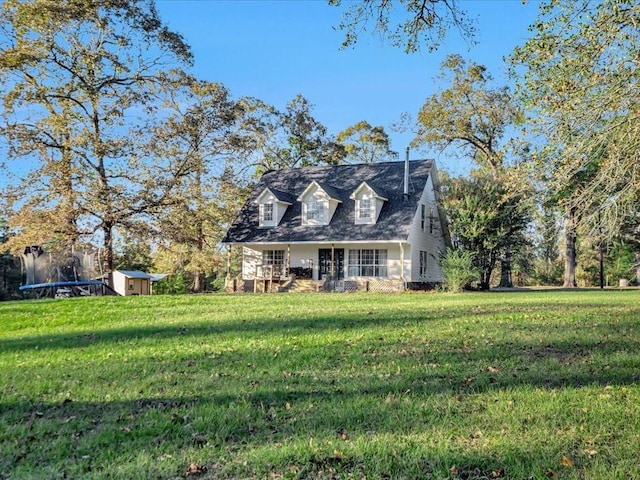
293 409
278 325
376 388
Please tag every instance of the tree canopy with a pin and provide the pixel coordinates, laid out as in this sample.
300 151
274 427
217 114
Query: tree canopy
77 76
364 143
579 83
409 24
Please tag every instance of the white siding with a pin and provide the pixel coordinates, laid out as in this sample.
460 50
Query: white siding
126 286
419 239
306 255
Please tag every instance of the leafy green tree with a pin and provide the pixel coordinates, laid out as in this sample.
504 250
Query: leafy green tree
547 268
485 216
77 75
470 115
621 262
366 144
10 269
199 144
579 84
409 24
474 117
459 269
133 254
292 138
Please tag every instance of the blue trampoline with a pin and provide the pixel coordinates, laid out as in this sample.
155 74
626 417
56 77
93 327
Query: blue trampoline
68 289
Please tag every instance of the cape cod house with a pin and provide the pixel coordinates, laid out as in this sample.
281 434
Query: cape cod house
348 227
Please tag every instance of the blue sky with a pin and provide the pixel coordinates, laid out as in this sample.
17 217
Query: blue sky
275 49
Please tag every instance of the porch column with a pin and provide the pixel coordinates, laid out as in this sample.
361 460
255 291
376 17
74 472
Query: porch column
228 262
288 262
332 261
402 263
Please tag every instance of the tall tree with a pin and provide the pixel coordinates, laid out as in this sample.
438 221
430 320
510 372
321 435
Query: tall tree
77 76
580 85
485 216
474 117
199 144
470 115
547 255
366 144
292 137
10 274
409 24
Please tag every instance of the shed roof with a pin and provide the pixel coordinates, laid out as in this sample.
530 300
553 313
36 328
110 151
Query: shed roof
135 274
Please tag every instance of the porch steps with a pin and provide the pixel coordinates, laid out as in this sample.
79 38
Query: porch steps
300 285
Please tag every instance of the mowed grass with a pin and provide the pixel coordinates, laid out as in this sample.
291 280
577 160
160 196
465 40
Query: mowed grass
530 385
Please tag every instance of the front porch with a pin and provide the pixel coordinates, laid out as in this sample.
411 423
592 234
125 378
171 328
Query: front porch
320 267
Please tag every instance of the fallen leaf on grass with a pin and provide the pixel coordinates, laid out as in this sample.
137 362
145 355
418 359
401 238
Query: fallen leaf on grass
550 473
592 453
195 469
567 462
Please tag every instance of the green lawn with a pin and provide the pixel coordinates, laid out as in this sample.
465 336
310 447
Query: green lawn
530 385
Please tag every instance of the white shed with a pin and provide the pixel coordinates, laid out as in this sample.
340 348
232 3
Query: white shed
131 282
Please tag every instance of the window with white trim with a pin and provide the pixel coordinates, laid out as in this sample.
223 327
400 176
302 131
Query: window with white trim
273 257
423 216
316 210
423 263
266 211
368 263
365 209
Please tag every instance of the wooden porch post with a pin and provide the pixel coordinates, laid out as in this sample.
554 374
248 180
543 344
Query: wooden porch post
228 261
288 262
332 261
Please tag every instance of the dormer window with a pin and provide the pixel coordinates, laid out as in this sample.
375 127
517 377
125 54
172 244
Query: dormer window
266 210
272 206
368 204
315 210
319 203
364 209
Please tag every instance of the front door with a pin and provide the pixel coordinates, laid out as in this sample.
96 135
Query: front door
324 261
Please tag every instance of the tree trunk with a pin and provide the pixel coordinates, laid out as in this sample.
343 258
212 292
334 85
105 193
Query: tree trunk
570 251
505 269
198 282
486 270
198 275
107 231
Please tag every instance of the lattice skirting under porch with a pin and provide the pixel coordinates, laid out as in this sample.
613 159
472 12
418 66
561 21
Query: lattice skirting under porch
383 286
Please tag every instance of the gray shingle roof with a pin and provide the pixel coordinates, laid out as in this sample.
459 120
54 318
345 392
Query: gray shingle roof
394 222
281 196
